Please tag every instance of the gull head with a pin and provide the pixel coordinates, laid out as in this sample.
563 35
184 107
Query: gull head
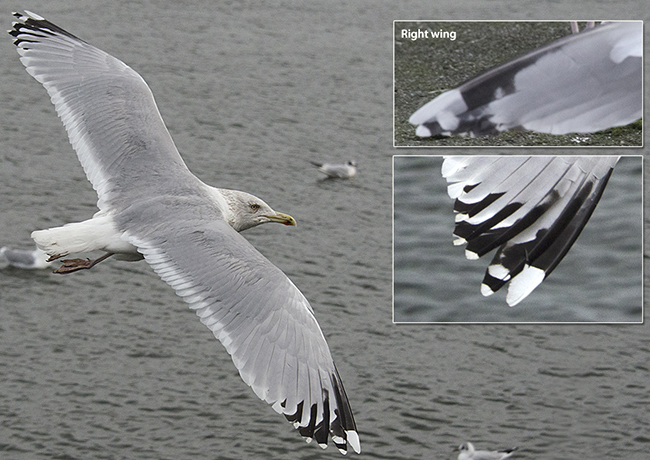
246 211
465 447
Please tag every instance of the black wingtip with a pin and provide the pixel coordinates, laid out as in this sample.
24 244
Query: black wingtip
342 429
30 27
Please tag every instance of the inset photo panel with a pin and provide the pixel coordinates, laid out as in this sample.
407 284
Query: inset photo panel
517 239
542 84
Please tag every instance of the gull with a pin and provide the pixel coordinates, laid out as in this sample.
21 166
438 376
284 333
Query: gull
337 170
531 209
23 258
151 206
467 452
584 82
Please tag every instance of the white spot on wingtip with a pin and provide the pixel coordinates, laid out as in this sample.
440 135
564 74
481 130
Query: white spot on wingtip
459 241
471 255
499 272
486 291
523 284
353 440
422 131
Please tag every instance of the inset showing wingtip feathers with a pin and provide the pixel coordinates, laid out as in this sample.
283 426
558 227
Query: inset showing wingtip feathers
531 208
583 83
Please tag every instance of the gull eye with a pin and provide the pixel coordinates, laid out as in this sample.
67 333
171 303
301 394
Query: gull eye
255 206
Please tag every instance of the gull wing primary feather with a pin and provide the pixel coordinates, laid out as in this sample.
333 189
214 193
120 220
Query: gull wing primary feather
581 83
531 209
152 206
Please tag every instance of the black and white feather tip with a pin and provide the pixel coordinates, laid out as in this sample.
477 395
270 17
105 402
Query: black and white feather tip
531 209
581 83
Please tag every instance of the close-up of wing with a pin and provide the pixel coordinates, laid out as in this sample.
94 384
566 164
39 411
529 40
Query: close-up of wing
152 206
531 208
582 83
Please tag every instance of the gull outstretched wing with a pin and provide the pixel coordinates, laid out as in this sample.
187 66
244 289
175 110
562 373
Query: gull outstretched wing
581 83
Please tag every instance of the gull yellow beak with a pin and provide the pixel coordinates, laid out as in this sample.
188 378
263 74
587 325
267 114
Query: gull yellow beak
280 218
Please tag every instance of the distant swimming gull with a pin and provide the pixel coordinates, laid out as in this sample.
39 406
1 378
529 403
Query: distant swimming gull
152 206
337 170
23 258
467 452
531 208
581 83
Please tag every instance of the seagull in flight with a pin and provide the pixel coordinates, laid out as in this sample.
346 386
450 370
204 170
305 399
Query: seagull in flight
151 206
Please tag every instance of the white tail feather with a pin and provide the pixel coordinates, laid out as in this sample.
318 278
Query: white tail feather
96 234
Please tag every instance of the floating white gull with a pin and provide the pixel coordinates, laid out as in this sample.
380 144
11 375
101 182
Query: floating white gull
23 258
531 208
152 206
467 452
581 83
337 170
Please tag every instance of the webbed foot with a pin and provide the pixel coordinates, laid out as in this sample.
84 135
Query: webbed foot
73 265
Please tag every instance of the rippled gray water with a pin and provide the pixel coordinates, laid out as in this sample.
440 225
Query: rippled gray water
110 364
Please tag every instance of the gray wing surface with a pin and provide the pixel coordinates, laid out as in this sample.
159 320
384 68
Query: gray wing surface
584 82
257 313
108 112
